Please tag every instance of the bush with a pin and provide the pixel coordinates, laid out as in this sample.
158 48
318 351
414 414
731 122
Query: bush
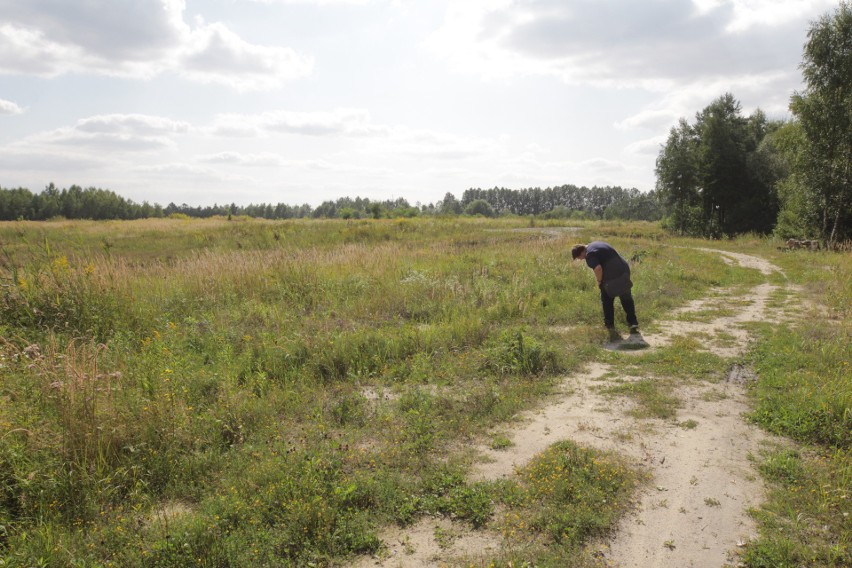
516 353
480 207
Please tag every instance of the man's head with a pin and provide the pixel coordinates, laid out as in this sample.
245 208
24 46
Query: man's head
579 251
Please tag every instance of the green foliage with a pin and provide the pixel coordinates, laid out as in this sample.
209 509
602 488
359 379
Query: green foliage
725 175
567 201
73 295
580 202
804 391
784 467
450 205
642 206
651 401
677 179
824 110
805 520
566 496
446 492
500 443
517 353
715 177
805 386
562 212
72 203
479 207
799 214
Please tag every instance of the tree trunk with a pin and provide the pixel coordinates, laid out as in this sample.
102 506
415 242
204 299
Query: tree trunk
834 227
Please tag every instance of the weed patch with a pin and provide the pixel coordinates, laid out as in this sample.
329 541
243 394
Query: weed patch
804 391
564 497
805 383
649 396
806 518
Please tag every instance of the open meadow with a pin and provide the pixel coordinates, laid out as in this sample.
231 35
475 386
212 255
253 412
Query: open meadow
233 393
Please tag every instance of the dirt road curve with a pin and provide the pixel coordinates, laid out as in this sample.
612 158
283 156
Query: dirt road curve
694 512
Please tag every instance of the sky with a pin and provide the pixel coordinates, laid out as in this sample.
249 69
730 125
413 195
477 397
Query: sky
301 101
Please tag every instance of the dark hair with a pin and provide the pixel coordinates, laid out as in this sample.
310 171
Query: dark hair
577 251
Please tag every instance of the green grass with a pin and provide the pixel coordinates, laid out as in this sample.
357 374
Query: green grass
804 392
564 498
683 360
804 388
242 393
500 442
650 397
193 393
806 518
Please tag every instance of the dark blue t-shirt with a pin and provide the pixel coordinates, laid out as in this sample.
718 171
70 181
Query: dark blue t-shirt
601 253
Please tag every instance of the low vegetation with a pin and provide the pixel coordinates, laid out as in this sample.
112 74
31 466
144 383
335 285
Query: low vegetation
272 393
804 393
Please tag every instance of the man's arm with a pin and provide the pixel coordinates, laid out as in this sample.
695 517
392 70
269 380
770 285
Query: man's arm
599 274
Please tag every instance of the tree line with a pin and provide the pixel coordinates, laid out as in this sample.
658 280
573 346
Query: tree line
726 173
563 201
72 203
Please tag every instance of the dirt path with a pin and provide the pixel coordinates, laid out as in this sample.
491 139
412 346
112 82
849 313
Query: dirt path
694 513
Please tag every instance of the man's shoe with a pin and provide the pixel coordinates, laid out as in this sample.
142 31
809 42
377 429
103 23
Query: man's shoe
613 335
634 329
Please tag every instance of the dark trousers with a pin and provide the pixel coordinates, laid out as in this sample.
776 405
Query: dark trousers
609 308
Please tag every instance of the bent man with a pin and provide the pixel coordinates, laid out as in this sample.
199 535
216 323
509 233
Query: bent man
613 276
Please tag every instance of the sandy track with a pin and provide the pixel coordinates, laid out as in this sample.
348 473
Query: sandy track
694 513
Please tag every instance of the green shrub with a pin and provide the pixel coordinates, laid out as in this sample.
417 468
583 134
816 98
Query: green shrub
515 352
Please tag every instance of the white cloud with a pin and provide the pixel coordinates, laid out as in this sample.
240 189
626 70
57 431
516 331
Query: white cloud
319 2
350 122
127 38
132 124
137 39
41 160
531 169
653 44
442 145
28 51
230 126
355 133
183 170
215 54
601 166
647 147
110 30
648 118
263 159
113 133
272 160
8 107
769 91
752 13
339 122
113 143
338 167
186 182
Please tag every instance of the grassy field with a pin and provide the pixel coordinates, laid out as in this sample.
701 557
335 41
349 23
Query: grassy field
252 393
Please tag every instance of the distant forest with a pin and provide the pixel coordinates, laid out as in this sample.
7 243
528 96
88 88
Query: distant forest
564 201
